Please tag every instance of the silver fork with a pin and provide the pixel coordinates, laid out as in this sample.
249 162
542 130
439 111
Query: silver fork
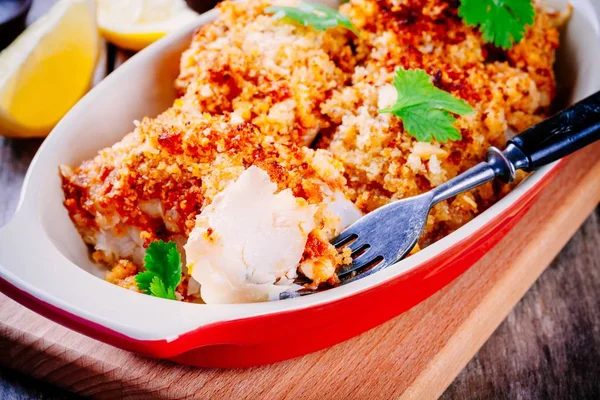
386 235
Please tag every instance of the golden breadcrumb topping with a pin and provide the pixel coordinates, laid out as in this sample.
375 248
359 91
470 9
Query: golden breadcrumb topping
268 72
255 90
160 176
509 91
536 53
120 271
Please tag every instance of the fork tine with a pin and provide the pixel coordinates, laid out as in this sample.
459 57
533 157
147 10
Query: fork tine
357 265
357 247
343 239
374 265
360 252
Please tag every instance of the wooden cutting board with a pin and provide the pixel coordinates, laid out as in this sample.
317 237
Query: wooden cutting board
415 355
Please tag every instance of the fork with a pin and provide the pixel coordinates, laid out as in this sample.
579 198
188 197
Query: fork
386 235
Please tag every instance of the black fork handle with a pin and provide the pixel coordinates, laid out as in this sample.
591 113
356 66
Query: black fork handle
558 136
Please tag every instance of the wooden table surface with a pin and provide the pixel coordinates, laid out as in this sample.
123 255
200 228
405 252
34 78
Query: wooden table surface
548 347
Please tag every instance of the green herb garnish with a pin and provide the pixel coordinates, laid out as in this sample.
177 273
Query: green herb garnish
502 22
163 270
318 16
425 110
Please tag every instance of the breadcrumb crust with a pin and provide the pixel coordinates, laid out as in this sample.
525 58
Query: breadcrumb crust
256 91
509 91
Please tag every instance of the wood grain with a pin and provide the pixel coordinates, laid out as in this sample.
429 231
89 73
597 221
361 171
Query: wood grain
549 346
416 355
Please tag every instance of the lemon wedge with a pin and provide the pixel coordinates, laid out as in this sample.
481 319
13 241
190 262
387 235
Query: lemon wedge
134 24
47 69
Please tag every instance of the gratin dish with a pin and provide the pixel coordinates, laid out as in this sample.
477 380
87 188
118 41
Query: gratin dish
45 266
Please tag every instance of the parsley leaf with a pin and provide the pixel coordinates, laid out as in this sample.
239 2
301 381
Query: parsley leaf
158 289
425 110
502 22
163 270
318 16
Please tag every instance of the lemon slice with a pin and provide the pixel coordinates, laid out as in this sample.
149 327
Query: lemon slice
134 24
47 69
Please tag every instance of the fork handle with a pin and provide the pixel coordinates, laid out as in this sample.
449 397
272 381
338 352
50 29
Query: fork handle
558 136
554 138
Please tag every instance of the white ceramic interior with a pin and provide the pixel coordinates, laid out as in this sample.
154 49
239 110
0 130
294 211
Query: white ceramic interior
42 253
